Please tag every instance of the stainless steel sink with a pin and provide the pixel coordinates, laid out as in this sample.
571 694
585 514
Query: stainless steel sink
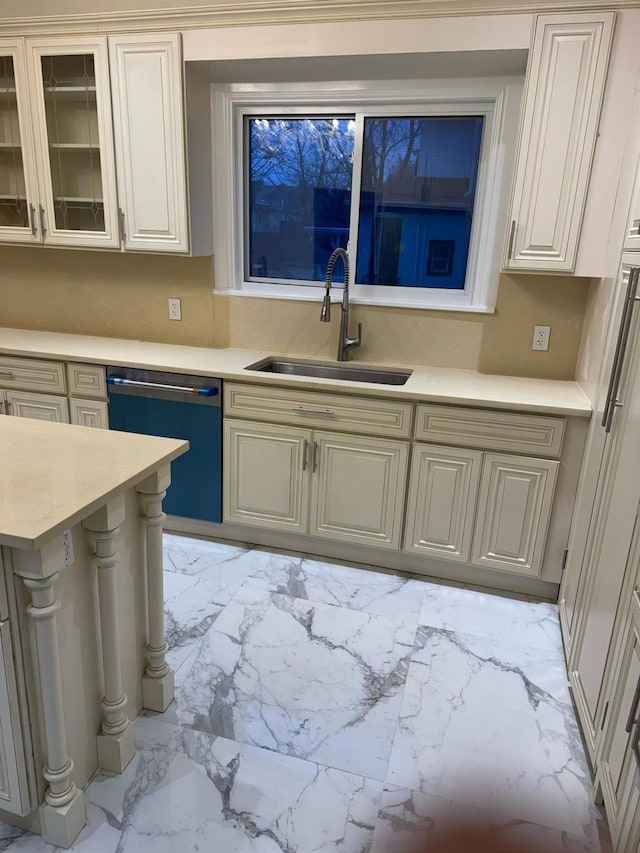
341 372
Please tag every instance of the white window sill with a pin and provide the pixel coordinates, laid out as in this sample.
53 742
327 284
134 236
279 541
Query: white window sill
316 294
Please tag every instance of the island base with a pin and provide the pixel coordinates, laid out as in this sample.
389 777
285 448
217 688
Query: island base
116 751
61 826
158 693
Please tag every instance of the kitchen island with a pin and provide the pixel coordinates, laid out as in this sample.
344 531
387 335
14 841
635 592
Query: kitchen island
82 646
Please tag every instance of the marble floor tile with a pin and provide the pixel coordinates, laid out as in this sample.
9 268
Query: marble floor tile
490 725
188 791
411 817
317 681
191 604
328 583
230 564
492 616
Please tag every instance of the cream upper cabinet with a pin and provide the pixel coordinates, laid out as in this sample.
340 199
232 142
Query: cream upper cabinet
514 510
44 407
18 181
69 84
357 493
146 82
265 476
565 85
442 499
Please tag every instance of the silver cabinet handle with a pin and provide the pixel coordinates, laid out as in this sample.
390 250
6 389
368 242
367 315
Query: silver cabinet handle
43 230
160 386
612 402
302 410
305 455
316 456
6 372
512 237
123 233
32 220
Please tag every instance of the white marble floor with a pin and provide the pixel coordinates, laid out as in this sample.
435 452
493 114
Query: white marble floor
321 707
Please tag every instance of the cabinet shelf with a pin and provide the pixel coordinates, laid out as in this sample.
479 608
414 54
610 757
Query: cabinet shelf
78 199
12 197
69 90
74 146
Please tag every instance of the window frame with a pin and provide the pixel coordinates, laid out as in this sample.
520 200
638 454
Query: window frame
497 100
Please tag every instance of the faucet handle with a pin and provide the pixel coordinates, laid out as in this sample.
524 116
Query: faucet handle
359 338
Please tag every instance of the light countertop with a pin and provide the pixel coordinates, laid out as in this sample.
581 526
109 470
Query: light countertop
54 475
428 384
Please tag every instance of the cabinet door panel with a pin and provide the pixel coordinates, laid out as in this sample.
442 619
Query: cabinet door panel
14 796
443 490
44 407
149 134
514 509
358 488
565 85
617 766
91 413
74 140
266 475
18 182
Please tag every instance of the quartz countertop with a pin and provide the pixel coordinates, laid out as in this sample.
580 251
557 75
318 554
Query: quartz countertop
427 384
54 475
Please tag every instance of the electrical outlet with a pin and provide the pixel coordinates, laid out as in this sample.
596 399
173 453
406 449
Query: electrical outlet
541 336
175 309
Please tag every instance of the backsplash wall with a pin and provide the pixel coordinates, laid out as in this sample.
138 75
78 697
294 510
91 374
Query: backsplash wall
118 295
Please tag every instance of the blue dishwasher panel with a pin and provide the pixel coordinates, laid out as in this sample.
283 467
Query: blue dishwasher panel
196 477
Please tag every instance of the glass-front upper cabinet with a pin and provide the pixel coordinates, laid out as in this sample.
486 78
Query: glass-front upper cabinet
19 220
74 141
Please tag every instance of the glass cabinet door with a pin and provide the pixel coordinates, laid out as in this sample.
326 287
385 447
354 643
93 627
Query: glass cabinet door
76 143
18 215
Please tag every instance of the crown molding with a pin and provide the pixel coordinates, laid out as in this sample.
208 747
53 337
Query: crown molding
246 13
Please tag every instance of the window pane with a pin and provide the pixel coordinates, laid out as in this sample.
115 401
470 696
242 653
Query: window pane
299 195
416 201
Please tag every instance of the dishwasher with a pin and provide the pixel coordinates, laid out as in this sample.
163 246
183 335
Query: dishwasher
176 405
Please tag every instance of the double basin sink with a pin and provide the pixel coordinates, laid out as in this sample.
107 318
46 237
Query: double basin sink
340 372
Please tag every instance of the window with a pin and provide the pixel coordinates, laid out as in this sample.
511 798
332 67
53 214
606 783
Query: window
410 185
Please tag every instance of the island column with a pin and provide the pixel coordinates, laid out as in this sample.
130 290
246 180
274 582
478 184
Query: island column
62 814
158 683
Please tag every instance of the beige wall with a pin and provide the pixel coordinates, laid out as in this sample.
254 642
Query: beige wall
111 294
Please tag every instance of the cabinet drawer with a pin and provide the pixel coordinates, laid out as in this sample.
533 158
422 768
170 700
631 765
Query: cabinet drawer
32 375
87 380
490 430
329 411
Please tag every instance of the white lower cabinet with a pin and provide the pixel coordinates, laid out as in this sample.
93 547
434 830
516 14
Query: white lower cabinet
343 487
91 413
620 755
441 504
44 407
13 785
514 510
357 493
265 475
